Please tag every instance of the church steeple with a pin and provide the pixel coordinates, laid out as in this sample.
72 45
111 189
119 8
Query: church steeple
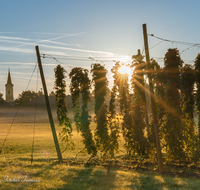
9 78
9 89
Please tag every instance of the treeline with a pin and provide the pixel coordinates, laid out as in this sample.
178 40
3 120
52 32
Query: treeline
177 94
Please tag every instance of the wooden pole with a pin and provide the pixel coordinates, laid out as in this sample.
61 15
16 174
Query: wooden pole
48 106
146 110
153 104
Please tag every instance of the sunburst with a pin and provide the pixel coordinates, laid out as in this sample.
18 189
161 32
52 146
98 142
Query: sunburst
124 70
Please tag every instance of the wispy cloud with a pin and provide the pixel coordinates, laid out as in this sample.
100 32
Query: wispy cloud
68 35
26 41
35 42
4 48
23 50
6 32
51 40
16 49
54 53
16 63
14 38
79 50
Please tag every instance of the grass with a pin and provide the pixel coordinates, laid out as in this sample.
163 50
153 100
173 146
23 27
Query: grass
15 163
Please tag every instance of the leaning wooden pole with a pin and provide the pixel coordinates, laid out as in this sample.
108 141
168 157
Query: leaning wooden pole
153 104
48 106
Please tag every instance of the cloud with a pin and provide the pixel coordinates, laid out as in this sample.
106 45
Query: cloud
79 50
9 39
15 63
23 50
13 38
50 40
6 32
14 49
60 43
54 52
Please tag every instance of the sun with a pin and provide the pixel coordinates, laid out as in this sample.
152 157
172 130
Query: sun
124 70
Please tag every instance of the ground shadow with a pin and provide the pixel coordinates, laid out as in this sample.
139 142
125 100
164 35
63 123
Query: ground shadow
87 178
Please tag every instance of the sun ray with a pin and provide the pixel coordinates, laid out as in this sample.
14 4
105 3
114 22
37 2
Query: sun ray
100 79
161 102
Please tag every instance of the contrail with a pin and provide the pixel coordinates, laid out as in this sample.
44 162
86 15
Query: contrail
22 50
48 46
14 38
49 40
17 49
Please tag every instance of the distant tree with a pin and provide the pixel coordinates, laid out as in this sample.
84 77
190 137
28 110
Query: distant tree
52 93
62 113
173 122
79 88
25 97
40 93
1 95
197 80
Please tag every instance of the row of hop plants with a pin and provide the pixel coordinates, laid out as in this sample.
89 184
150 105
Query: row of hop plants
177 94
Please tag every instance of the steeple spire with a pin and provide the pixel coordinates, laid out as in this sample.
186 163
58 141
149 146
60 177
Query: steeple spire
9 89
9 78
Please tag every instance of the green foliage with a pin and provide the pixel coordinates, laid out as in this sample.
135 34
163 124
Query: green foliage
80 85
100 90
113 123
160 100
139 140
195 152
137 79
174 96
121 83
63 120
173 123
139 105
187 90
25 97
187 95
197 79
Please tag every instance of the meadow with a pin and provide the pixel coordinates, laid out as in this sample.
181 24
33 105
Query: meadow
45 172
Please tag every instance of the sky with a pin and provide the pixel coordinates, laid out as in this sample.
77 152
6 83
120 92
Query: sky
78 33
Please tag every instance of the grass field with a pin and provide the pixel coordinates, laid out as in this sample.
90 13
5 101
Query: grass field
17 172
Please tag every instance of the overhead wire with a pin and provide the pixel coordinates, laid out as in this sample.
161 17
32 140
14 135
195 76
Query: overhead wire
51 57
76 58
187 49
84 57
17 111
173 41
176 42
90 58
33 142
156 45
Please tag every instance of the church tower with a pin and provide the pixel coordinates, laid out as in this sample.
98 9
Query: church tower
9 89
